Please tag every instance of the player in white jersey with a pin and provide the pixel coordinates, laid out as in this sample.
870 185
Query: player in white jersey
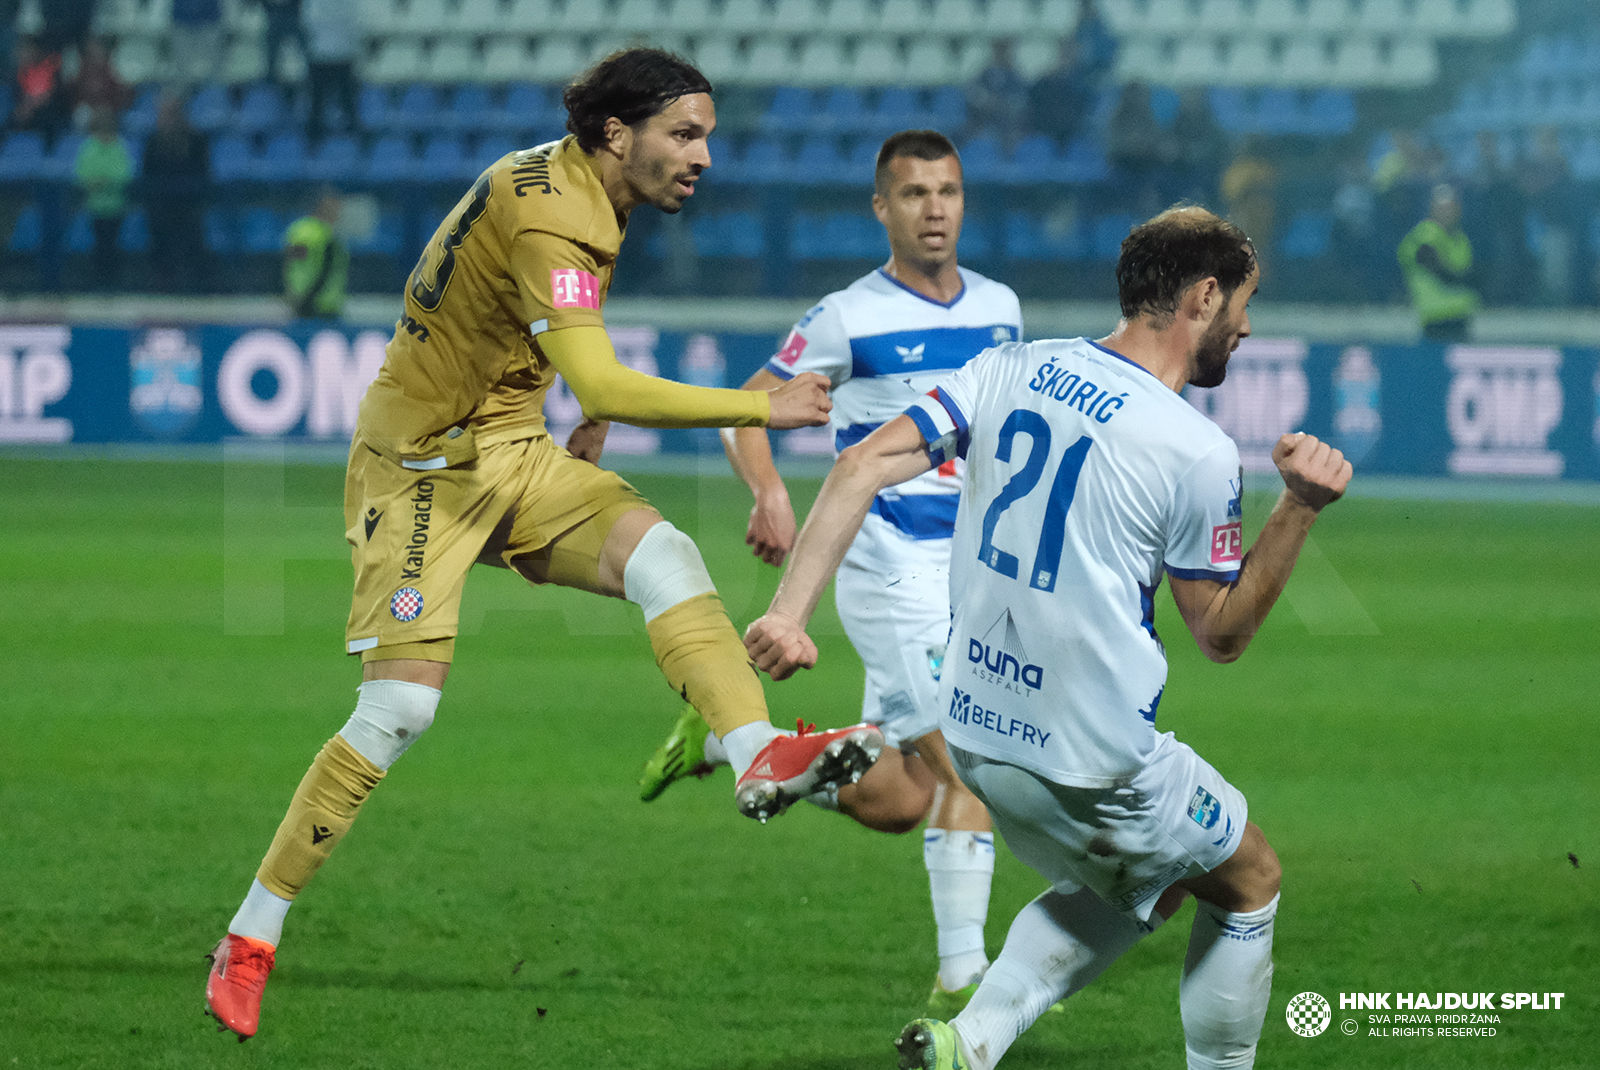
1088 477
882 342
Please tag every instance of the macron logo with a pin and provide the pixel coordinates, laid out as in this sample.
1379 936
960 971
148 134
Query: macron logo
911 355
572 288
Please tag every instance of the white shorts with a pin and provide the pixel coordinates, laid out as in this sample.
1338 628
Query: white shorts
1178 819
893 596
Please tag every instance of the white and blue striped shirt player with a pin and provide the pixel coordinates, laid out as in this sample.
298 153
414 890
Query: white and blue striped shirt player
882 345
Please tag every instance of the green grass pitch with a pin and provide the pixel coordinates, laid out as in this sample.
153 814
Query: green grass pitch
1414 729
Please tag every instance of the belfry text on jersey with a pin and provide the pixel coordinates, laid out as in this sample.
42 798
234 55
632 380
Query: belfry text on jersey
964 711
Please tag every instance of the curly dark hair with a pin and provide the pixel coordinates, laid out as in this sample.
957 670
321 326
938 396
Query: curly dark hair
918 144
632 85
1163 257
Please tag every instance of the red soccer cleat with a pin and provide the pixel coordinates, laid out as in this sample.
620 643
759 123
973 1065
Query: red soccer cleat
239 969
792 767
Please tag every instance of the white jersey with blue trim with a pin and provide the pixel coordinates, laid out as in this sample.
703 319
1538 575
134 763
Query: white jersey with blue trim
1086 479
881 344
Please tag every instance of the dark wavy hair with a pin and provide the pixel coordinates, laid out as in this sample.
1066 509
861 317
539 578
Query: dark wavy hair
918 144
633 85
1163 257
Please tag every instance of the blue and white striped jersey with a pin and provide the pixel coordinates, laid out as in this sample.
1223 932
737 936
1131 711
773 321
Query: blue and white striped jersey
881 344
1086 479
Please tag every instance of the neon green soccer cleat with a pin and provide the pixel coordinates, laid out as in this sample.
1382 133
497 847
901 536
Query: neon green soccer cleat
682 755
944 1004
927 1044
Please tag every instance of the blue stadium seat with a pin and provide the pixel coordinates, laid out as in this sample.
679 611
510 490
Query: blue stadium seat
59 165
819 161
134 235
730 235
1331 112
791 112
27 233
373 107
1309 237
1084 162
385 237
526 107
764 160
1032 237
22 156
896 110
337 159
1164 105
1108 232
417 108
444 159
982 160
470 109
283 160
221 228
1278 112
391 160
140 118
1035 160
862 161
80 233
231 159
209 109
261 230
947 111
842 112
489 149
261 109
836 236
977 239
1231 109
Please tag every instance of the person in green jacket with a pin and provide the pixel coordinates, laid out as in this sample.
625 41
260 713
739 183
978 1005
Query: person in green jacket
1436 260
102 171
316 264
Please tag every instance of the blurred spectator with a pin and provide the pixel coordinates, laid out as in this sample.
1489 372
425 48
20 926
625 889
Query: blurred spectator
1097 45
1060 101
316 265
1355 244
1436 261
42 102
98 85
1139 149
1200 145
102 171
997 100
1546 181
333 37
197 39
1250 190
176 173
1498 215
66 24
283 25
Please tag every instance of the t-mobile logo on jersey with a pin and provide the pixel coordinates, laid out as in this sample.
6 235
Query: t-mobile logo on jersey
1227 544
572 288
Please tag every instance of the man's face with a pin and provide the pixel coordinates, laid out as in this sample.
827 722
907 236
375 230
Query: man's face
1230 326
663 156
922 210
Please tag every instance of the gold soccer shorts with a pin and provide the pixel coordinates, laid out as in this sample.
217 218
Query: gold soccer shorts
527 505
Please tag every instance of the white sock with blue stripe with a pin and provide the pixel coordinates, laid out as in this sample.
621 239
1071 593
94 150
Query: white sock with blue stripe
1227 979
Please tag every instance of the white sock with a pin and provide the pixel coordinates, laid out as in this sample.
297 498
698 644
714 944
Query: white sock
960 871
1227 978
716 753
1058 944
261 915
745 742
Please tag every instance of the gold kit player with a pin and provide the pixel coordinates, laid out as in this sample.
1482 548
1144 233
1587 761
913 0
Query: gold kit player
451 464
889 337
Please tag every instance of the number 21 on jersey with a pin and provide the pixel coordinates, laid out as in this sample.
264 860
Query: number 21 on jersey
1053 530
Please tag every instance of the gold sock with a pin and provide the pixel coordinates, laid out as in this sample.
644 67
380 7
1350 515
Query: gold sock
704 660
322 810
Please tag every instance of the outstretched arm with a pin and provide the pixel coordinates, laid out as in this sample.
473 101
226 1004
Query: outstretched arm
772 528
894 453
1224 617
607 390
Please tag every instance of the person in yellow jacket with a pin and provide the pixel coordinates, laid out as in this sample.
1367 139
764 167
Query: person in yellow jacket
451 464
1436 260
316 264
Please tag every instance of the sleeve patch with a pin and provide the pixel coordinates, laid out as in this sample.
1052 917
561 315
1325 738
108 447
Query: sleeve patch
793 346
573 288
1227 543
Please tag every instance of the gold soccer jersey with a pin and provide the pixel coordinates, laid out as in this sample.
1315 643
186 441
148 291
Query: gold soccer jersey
529 249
